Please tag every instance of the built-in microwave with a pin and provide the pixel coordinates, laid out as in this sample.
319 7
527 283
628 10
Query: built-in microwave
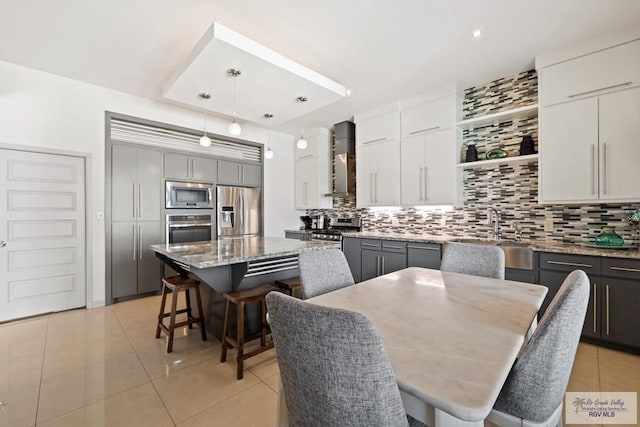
188 195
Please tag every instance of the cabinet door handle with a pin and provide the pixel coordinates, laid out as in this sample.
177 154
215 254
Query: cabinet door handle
593 157
377 266
604 164
375 182
420 182
382 264
392 247
424 130
595 308
140 242
371 188
369 245
135 245
606 296
426 248
426 171
598 90
570 264
239 174
305 156
139 204
242 169
632 270
133 200
374 140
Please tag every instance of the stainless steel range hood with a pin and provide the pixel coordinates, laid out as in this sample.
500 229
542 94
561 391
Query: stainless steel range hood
344 159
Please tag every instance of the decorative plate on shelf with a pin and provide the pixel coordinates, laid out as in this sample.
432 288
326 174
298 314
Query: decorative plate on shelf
496 154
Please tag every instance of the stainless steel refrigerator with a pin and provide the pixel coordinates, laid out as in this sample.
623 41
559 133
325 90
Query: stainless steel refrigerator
239 211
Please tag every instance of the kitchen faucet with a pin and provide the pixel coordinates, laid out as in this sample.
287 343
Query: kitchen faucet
493 214
517 231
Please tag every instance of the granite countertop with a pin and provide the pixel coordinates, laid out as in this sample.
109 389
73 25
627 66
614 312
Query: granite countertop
540 246
217 253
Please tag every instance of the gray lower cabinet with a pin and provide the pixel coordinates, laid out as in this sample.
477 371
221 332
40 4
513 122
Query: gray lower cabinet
426 255
380 257
298 235
236 173
612 314
619 301
554 268
517 275
352 252
134 268
190 168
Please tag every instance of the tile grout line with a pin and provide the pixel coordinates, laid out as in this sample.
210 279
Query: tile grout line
225 400
135 351
106 397
44 352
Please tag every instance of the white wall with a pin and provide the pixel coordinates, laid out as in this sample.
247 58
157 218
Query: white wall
43 110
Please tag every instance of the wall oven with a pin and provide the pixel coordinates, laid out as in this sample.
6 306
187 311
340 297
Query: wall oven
188 195
183 228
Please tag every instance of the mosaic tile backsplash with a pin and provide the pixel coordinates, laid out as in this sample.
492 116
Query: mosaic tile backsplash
510 188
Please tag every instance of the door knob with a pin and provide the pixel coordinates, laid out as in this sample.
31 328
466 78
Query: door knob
3 244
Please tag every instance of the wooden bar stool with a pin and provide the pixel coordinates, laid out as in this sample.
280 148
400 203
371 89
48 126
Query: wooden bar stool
176 284
290 286
241 298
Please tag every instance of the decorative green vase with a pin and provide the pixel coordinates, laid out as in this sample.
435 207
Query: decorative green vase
608 237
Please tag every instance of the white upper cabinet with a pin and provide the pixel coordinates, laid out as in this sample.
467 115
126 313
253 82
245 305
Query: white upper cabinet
378 174
427 117
428 168
619 136
428 151
568 152
383 127
594 74
588 149
406 152
312 172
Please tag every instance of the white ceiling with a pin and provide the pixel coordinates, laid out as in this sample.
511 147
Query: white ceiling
383 50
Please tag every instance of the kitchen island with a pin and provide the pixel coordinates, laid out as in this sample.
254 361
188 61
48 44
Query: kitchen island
235 264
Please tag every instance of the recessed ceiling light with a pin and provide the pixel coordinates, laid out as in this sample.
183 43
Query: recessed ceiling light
476 34
348 92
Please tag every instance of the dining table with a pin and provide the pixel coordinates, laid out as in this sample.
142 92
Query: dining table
451 338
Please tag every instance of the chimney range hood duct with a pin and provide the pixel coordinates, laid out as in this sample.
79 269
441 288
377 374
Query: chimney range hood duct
345 159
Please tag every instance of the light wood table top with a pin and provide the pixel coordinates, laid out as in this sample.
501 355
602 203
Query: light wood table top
451 338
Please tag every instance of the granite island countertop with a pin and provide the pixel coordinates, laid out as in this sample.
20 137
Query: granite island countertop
539 245
217 253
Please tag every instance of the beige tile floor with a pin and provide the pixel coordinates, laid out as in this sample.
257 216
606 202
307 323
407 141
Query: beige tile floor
104 367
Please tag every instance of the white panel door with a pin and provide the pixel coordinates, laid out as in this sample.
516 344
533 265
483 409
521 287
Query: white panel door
42 230
619 145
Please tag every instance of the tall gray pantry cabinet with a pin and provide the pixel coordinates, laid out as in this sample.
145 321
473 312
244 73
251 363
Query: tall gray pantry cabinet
136 219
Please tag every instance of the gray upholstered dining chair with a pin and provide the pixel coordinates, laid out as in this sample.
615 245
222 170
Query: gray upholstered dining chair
534 390
333 367
323 271
477 260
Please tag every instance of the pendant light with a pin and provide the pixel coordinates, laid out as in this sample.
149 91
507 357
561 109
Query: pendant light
302 143
234 128
268 154
205 141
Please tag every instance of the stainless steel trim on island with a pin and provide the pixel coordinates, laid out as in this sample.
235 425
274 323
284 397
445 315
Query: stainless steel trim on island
235 264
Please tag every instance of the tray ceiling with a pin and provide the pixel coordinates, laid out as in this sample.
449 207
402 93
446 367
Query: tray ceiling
269 83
